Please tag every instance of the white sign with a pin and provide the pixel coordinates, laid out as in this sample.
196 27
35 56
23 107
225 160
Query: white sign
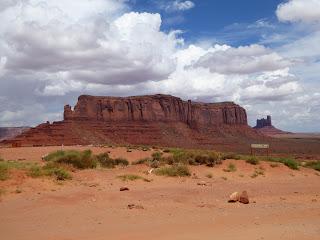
260 146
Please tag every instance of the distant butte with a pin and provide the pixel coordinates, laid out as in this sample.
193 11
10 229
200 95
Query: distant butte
264 126
161 120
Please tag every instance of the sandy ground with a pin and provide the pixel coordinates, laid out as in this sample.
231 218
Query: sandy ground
284 204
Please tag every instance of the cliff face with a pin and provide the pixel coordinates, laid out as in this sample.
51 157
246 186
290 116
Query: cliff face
150 120
155 108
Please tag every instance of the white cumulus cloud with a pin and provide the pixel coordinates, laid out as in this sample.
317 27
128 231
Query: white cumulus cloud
179 5
243 60
299 11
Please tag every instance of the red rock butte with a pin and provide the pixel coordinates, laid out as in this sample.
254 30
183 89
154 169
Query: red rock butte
162 120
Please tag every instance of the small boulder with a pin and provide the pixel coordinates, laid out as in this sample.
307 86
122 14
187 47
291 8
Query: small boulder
234 197
124 189
244 198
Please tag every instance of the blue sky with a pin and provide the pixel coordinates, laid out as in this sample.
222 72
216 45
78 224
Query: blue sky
263 55
209 19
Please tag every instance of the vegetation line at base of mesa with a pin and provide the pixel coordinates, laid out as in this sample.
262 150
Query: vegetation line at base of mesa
168 162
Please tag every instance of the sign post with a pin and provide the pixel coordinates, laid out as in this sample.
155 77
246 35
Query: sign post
255 146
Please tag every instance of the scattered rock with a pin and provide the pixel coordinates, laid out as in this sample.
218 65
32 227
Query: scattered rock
194 176
314 200
202 183
124 189
93 185
234 197
244 198
133 206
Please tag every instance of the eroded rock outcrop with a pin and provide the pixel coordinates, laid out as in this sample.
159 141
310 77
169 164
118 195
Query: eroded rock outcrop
155 108
264 126
154 120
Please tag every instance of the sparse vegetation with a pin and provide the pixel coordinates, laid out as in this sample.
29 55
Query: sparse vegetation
80 160
209 175
156 156
314 165
105 160
132 177
50 169
177 170
121 161
85 159
230 156
257 172
6 166
2 191
194 157
289 162
231 168
142 161
253 160
4 171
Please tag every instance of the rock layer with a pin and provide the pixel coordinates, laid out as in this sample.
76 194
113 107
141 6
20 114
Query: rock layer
161 120
155 108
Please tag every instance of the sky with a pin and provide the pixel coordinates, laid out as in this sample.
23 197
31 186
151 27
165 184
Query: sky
263 55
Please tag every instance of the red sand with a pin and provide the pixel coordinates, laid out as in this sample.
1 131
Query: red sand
285 204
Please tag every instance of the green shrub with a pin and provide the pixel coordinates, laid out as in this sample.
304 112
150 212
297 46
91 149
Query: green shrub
230 156
105 161
253 160
52 169
231 168
80 160
209 159
61 174
167 160
121 161
291 163
35 171
4 171
156 156
142 161
56 170
314 165
173 171
195 157
5 167
132 177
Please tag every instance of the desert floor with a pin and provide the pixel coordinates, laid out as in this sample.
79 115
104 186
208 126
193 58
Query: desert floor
284 203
